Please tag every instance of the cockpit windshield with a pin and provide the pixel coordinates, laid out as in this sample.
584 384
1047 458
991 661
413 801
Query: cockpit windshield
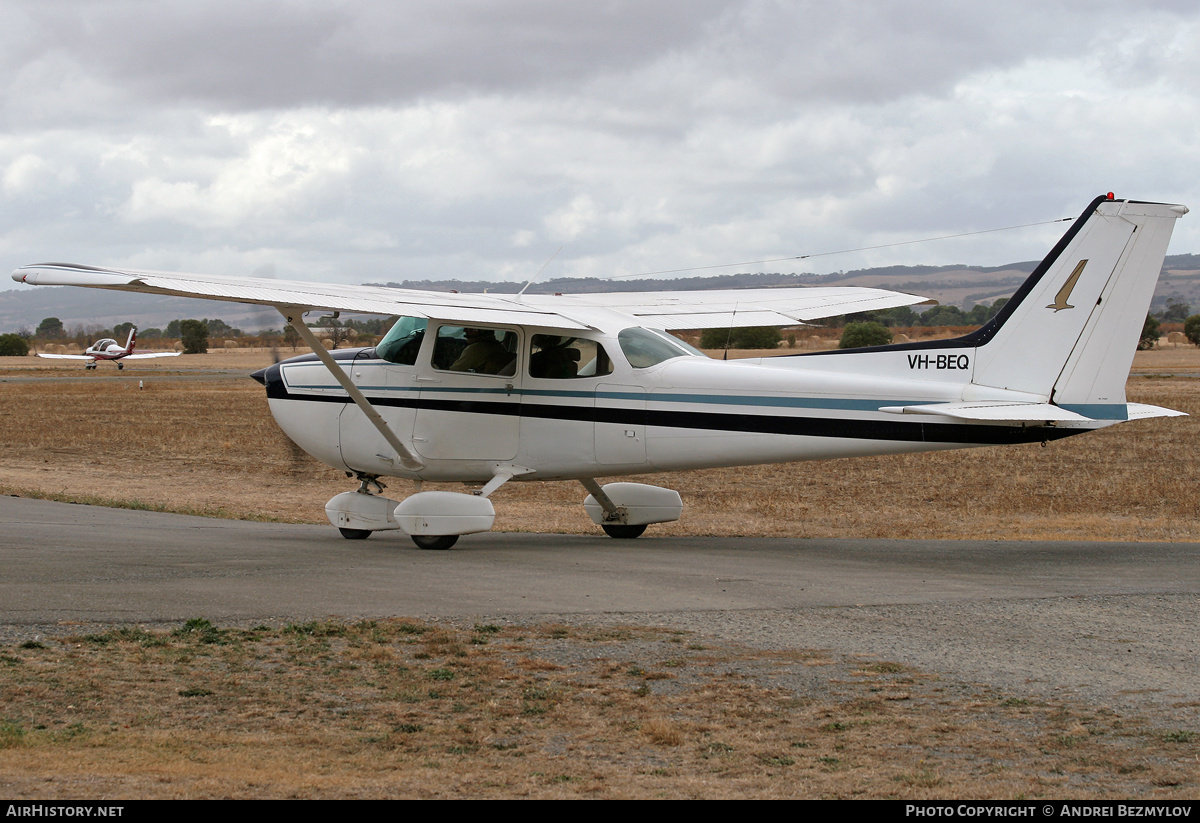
402 342
644 348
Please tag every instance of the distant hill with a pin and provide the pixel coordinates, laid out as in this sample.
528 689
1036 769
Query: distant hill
26 307
961 285
884 277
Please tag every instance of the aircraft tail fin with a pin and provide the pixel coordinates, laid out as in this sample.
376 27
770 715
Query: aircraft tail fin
132 340
1071 330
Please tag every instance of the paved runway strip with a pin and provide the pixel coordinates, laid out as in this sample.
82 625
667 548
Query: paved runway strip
1111 622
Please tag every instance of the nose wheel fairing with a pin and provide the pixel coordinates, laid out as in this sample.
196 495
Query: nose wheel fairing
359 511
434 519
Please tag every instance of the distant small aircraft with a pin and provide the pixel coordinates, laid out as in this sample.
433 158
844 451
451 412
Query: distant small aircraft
109 349
483 389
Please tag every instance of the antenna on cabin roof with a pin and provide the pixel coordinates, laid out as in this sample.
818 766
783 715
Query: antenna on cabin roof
539 272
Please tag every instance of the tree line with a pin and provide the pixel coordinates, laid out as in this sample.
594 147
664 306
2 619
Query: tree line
859 330
192 333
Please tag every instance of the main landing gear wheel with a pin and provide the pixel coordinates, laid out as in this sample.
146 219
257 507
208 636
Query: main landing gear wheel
432 542
355 534
623 532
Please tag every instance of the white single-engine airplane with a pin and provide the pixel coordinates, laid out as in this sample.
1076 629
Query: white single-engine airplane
484 389
109 349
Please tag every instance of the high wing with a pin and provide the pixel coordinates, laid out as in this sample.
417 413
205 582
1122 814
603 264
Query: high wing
147 355
721 308
141 356
670 310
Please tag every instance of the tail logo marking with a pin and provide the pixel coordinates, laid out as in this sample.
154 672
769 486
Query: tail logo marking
1060 299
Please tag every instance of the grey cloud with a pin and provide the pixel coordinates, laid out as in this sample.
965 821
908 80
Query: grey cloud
863 51
237 55
392 140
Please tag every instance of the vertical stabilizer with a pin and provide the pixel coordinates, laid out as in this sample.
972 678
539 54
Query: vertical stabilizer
1070 332
132 339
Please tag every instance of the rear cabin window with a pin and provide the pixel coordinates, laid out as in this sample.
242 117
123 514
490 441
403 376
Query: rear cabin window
562 357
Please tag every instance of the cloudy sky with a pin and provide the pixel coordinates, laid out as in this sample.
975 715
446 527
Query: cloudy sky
375 141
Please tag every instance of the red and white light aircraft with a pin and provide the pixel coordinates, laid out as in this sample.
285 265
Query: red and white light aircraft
486 388
109 349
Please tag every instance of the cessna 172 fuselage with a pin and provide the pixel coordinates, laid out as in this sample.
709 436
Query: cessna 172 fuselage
486 389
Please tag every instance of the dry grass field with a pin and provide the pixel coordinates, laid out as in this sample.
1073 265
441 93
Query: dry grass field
208 445
401 708
405 709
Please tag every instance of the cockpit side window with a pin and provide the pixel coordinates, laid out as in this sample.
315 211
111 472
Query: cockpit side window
476 349
562 357
402 342
644 348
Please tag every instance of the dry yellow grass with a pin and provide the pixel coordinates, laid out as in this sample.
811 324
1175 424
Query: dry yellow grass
208 445
406 709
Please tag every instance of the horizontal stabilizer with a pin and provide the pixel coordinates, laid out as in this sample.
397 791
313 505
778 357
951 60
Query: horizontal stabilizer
1034 413
1142 411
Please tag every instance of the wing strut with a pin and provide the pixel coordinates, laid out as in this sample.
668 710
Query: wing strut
295 318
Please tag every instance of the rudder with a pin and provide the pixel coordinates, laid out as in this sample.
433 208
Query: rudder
1070 331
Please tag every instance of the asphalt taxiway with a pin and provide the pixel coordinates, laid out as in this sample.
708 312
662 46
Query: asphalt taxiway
1114 622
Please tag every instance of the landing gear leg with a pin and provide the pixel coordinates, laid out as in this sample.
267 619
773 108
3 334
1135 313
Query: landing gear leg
369 484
